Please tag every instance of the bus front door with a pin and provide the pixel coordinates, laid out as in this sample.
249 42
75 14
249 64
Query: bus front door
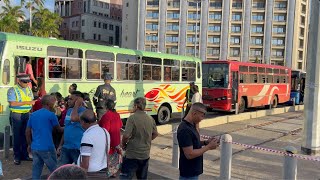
235 85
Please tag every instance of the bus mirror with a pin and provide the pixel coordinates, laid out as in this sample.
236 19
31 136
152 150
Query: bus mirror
20 65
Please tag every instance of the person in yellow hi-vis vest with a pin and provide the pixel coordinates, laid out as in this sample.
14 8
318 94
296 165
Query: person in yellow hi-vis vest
20 98
189 95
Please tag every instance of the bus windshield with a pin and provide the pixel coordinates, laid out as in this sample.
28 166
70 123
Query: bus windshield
215 75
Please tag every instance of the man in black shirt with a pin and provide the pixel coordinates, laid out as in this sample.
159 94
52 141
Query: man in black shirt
103 93
191 148
189 95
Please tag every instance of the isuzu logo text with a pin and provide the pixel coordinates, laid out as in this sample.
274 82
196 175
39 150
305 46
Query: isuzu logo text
29 48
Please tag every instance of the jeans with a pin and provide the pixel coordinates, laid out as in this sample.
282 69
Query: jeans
131 166
68 156
189 178
40 158
18 124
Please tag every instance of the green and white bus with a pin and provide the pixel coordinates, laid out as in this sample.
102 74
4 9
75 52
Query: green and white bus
161 78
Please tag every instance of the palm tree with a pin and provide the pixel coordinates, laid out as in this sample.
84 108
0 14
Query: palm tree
30 5
46 23
11 18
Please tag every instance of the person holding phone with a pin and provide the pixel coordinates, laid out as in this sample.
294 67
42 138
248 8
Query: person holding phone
190 146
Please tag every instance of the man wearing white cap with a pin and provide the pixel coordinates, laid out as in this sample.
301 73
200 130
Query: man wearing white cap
20 100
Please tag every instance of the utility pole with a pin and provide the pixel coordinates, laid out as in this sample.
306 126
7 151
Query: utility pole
311 131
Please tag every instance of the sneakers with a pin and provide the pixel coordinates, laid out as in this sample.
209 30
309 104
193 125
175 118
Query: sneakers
17 162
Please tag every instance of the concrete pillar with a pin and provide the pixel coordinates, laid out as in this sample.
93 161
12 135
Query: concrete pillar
64 8
290 164
290 35
226 157
162 25
70 5
311 130
59 9
141 24
204 29
268 31
225 30
245 54
183 27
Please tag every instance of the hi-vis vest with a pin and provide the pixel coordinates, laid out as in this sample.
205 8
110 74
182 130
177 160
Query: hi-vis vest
189 98
21 96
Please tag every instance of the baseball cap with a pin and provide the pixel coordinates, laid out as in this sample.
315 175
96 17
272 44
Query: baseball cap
107 77
24 78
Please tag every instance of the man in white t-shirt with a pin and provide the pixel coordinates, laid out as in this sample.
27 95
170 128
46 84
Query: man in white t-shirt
95 143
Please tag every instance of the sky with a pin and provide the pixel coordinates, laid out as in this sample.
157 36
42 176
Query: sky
48 4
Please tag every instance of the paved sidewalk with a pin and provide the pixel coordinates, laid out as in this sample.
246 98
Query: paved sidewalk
274 132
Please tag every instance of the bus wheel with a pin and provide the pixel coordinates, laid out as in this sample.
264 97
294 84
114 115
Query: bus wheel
242 105
275 102
163 115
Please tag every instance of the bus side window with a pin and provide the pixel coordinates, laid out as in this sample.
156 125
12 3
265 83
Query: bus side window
151 68
6 72
253 78
171 70
128 67
188 71
99 63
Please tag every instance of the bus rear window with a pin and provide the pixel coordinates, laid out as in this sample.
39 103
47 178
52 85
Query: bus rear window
215 75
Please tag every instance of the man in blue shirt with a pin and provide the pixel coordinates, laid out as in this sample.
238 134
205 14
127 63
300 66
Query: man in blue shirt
69 147
39 136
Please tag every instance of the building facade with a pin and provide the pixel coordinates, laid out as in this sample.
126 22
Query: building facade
93 21
267 31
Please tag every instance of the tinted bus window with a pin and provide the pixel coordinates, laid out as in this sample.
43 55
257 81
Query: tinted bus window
99 63
261 70
269 70
269 78
243 68
171 70
188 71
276 79
6 72
151 68
252 69
253 78
128 67
276 71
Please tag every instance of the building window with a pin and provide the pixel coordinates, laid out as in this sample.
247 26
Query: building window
279 29
85 6
214 27
94 36
99 25
280 5
217 4
236 16
110 40
174 3
256 52
235 40
215 16
257 29
153 14
235 28
110 27
234 52
214 39
193 15
301 43
82 35
193 27
152 26
302 32
257 16
153 3
127 4
82 22
192 39
303 8
173 15
152 38
278 41
95 24
77 23
256 40
299 65
279 17
172 50
107 5
99 37
278 53
173 27
172 38
213 51
300 55
72 23
237 4
302 20
258 5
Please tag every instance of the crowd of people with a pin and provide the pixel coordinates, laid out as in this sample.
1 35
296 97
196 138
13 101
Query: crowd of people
59 132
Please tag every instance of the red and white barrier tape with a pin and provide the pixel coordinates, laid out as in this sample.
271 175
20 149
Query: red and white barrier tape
298 156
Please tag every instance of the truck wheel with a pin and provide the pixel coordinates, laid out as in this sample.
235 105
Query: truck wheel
164 115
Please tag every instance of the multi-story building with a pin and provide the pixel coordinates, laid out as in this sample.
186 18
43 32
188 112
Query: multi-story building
267 31
93 21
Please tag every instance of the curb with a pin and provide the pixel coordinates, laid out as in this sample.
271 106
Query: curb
168 128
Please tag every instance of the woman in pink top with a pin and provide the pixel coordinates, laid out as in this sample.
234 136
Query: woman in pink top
30 72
